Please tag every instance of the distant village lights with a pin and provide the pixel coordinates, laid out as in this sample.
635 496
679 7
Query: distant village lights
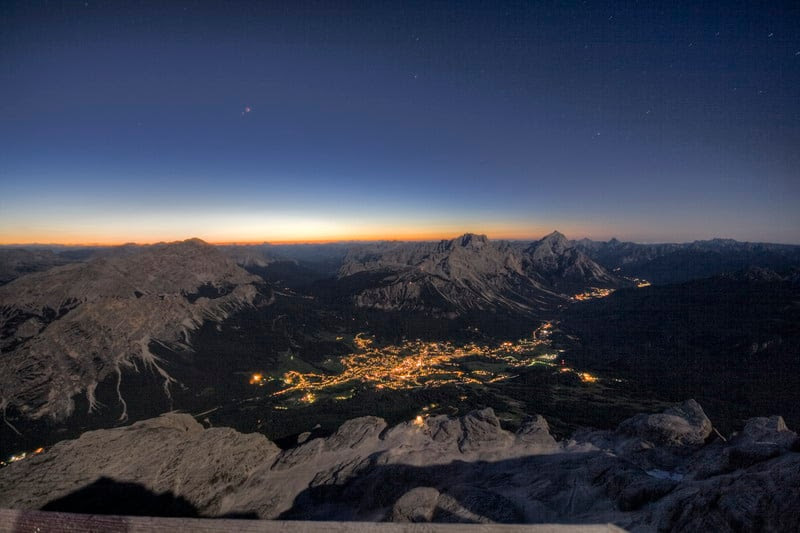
418 364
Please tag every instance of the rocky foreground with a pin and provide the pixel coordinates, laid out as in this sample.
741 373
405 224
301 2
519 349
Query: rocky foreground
668 471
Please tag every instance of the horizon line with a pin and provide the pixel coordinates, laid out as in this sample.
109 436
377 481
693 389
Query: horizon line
354 240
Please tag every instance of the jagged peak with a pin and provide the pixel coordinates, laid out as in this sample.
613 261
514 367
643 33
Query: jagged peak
469 239
190 246
554 242
194 241
555 236
191 241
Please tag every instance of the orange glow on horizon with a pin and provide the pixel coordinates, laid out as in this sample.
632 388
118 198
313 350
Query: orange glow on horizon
40 239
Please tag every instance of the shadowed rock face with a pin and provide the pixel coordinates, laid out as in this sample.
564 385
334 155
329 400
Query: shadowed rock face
681 425
66 330
562 265
655 472
15 262
678 263
120 498
169 454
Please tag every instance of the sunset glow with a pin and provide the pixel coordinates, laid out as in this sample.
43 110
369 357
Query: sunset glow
299 230
276 230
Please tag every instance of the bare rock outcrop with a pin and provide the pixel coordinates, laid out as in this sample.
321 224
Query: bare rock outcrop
466 469
684 425
171 453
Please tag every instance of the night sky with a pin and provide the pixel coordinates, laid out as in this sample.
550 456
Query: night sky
240 121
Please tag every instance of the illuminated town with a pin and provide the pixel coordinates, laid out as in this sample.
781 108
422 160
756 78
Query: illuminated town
593 292
597 292
417 364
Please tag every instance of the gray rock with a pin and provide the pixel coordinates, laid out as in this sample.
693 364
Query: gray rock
535 430
765 497
766 430
684 425
761 439
355 432
464 469
416 505
473 505
481 429
172 453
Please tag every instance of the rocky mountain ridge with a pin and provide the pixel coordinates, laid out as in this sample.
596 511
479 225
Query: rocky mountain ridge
676 263
472 272
660 263
564 266
662 471
15 262
67 329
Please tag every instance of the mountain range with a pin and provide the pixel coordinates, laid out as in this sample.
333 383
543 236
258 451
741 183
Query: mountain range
90 338
675 263
109 317
471 273
657 263
70 328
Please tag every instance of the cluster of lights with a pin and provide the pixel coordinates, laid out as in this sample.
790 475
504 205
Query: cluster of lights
20 456
586 377
596 292
309 398
542 332
593 292
416 364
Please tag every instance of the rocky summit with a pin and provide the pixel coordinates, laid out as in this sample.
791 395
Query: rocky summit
667 471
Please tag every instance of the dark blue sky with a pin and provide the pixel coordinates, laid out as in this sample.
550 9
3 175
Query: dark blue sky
652 122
